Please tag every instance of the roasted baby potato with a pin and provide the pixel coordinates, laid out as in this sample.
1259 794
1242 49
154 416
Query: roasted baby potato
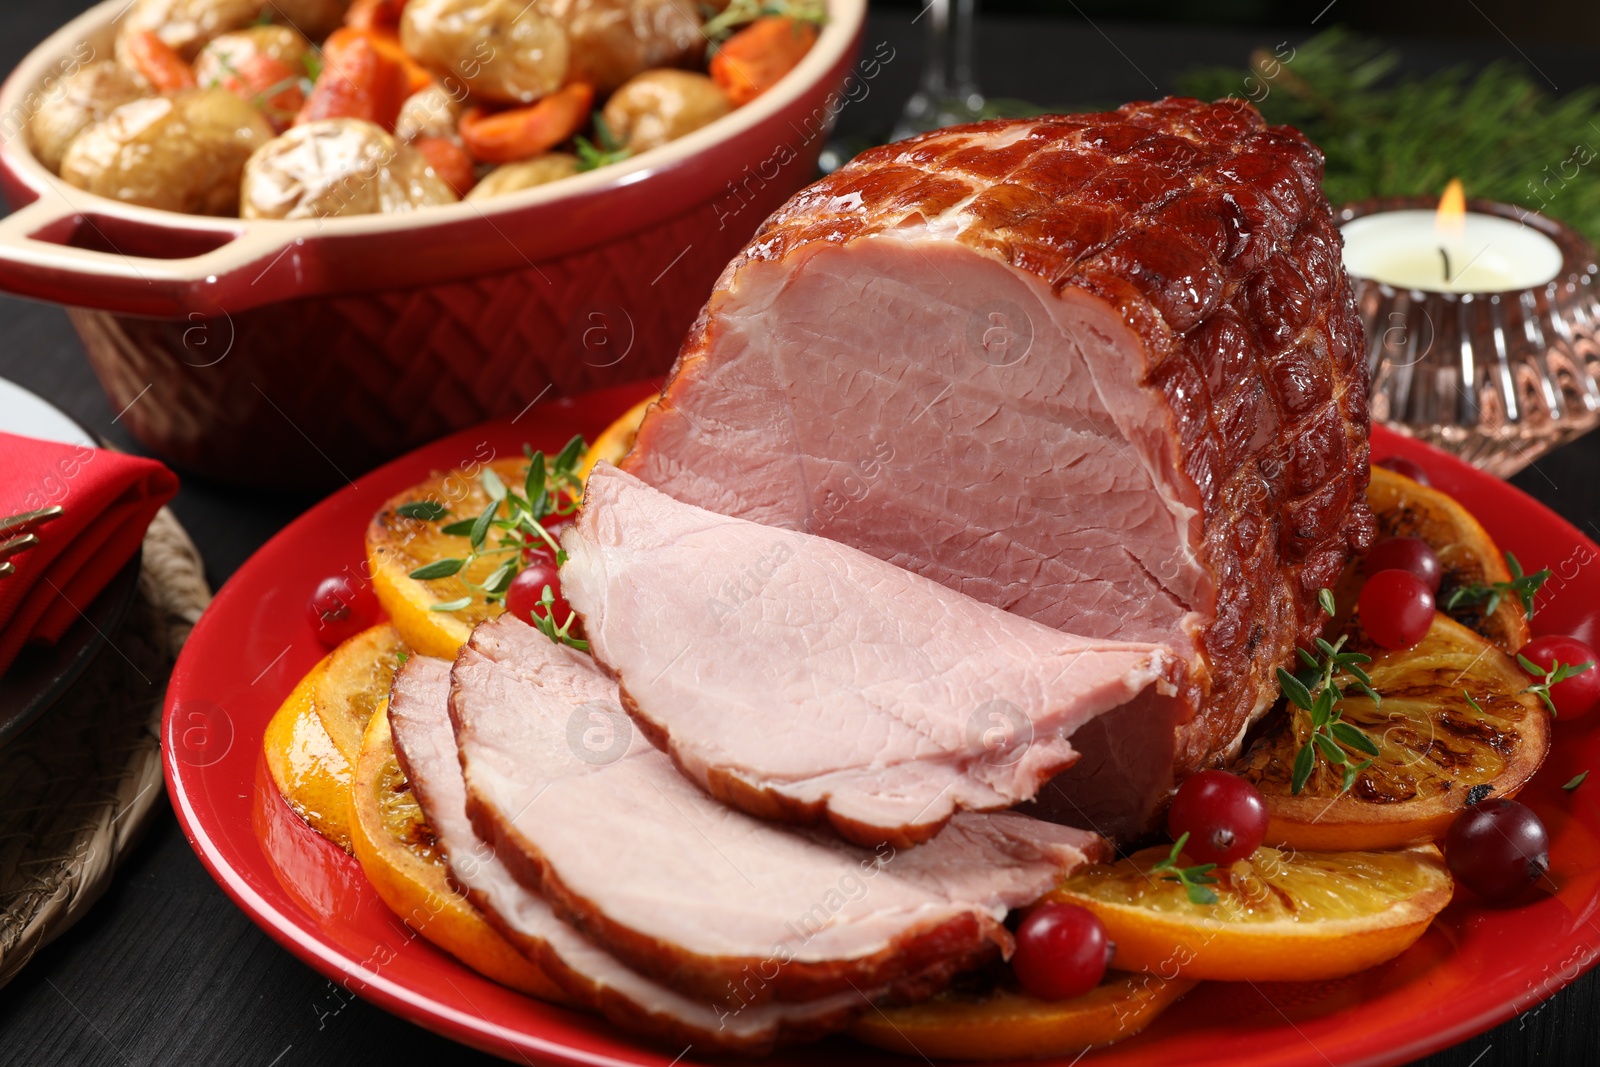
187 25
514 177
81 100
334 167
612 40
183 152
662 105
506 51
432 112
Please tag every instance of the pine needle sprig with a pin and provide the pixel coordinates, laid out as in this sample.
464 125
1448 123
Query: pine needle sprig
1386 133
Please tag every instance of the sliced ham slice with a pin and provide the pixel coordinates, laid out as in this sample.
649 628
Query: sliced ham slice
1101 370
419 715
800 679
706 899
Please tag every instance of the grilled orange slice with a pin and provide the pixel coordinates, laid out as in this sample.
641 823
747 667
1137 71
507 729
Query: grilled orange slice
306 766
1279 917
1005 1025
617 439
397 851
397 545
1455 715
1467 554
354 682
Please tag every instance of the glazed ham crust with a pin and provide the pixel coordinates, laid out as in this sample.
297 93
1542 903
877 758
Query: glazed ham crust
1201 239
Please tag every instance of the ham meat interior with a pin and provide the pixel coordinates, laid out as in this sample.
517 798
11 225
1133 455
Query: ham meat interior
803 680
701 897
424 741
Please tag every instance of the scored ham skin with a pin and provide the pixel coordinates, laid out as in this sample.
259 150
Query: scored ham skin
828 685
705 899
424 740
1101 370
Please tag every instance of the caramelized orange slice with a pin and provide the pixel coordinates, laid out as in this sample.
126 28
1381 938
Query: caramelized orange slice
398 545
1455 716
306 766
354 682
1279 916
1006 1025
397 851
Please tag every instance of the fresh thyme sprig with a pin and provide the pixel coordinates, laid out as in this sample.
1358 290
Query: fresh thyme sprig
721 26
551 488
1193 879
426 510
1558 672
1319 697
1524 586
609 150
546 623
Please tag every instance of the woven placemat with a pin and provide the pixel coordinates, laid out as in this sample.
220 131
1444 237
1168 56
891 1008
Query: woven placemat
78 787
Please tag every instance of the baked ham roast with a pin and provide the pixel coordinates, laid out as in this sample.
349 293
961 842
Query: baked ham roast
721 907
424 740
803 680
1103 371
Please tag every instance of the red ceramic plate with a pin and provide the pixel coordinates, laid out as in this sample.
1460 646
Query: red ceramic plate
1474 968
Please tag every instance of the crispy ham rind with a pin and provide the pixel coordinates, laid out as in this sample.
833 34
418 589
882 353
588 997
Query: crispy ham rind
804 681
1104 371
425 743
707 900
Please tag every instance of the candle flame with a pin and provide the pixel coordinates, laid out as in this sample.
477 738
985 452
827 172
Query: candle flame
1451 221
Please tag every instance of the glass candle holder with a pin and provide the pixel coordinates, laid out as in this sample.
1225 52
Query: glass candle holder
1498 378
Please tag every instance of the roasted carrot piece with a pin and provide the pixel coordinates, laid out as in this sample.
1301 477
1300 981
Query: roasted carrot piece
524 132
450 161
158 62
387 41
375 14
270 84
357 82
752 60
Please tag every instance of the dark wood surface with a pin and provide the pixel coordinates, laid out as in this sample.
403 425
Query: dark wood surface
164 969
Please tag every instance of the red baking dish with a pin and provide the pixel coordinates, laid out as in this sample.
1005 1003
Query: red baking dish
303 353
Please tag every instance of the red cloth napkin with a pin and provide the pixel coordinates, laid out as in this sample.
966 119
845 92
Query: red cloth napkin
107 500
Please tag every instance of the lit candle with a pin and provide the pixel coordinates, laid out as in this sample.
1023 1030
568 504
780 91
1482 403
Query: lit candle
1450 250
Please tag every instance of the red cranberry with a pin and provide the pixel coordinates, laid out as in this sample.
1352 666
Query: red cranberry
339 610
1062 952
1396 609
1497 848
1406 468
1224 816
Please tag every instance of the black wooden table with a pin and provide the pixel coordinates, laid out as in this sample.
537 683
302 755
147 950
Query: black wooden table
164 969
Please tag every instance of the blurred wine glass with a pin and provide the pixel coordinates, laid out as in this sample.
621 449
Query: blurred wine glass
949 92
